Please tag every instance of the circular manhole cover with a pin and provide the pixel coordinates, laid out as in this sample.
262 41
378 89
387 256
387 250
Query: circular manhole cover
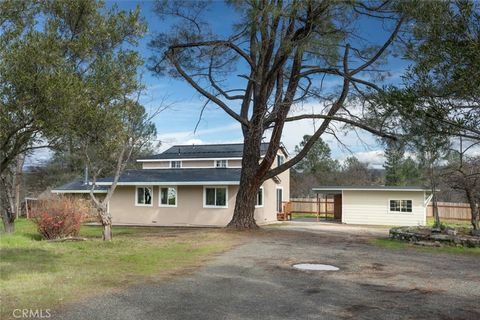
315 267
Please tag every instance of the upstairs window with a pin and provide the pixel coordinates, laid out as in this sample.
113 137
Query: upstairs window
259 202
400 205
215 197
143 196
280 160
168 196
221 163
175 164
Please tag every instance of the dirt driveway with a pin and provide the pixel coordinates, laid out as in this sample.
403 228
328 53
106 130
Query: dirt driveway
256 281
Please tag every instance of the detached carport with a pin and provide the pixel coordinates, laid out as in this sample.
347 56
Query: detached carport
378 205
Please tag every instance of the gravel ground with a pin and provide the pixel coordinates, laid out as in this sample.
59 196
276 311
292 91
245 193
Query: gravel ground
256 281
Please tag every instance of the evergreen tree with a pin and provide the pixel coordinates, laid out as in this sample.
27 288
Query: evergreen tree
393 164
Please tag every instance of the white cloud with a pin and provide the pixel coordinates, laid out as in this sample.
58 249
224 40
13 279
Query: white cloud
207 135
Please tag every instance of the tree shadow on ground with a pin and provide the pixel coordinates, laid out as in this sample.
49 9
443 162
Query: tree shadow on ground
14 261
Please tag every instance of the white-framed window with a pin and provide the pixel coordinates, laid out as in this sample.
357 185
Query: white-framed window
260 195
279 199
143 196
215 197
168 197
221 163
280 160
175 164
400 205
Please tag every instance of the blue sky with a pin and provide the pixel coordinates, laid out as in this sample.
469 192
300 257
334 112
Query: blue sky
176 125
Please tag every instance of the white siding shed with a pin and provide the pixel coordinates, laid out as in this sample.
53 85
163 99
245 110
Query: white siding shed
392 206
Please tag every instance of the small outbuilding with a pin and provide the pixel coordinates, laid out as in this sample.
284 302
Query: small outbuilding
379 205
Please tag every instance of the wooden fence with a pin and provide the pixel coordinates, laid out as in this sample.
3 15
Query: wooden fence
310 205
451 210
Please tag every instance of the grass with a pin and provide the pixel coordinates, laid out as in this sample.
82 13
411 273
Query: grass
297 215
38 274
397 244
450 223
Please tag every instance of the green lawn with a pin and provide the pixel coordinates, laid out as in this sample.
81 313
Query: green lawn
310 215
451 223
40 274
397 244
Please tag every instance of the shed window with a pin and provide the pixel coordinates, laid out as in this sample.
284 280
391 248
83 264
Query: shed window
401 205
216 197
168 196
144 196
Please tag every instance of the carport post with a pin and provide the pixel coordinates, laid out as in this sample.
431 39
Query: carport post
326 206
318 207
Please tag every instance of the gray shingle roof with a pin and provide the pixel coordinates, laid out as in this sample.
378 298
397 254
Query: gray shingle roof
78 187
185 176
378 188
160 176
233 150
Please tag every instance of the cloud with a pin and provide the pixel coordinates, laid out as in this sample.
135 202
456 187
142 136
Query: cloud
201 136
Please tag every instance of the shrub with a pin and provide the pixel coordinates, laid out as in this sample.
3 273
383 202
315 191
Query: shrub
58 218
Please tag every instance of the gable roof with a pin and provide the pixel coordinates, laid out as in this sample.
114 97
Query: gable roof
371 188
203 176
197 176
205 151
78 187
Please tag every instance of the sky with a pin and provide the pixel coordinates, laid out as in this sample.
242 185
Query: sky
176 124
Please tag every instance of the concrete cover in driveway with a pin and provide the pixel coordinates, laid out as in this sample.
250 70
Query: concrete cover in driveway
256 281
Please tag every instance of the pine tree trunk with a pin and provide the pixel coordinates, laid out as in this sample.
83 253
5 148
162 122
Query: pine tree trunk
244 212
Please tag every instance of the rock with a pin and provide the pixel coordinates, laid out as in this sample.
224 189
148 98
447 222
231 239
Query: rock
476 233
451 232
441 237
436 230
428 244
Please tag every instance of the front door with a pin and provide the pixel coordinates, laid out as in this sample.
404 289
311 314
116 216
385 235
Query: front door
279 199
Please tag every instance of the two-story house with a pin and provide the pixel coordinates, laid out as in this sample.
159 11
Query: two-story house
187 185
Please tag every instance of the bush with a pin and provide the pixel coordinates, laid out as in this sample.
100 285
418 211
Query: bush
58 218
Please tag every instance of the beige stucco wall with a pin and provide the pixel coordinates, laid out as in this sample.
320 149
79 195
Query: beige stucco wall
156 165
189 210
372 207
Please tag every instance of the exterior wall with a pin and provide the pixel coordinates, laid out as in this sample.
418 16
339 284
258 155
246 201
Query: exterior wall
234 163
198 164
189 164
189 210
156 165
372 207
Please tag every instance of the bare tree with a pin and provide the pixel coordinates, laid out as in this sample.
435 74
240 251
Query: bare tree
281 53
463 173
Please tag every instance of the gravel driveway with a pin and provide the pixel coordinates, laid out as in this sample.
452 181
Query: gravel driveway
256 281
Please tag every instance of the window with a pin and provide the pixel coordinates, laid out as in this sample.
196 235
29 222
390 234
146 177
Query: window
400 205
168 197
215 197
143 196
175 164
280 160
221 163
259 202
279 199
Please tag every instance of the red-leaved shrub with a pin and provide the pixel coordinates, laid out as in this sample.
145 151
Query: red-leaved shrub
58 218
